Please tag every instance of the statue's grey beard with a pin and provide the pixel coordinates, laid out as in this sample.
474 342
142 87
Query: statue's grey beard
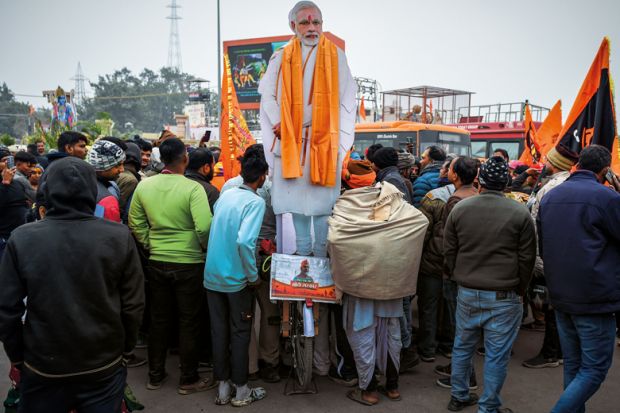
306 41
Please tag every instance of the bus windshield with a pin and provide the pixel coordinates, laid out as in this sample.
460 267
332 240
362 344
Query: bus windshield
451 142
398 140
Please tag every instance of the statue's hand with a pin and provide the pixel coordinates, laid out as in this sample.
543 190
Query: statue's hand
277 130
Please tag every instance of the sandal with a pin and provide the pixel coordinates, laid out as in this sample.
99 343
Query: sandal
357 396
256 394
393 395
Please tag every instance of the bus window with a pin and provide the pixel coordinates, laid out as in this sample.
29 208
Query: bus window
453 143
479 149
511 146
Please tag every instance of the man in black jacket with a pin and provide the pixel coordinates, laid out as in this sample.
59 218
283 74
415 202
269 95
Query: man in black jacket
70 143
200 169
385 161
85 299
489 249
13 201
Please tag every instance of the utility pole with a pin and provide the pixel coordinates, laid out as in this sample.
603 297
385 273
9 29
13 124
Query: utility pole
174 43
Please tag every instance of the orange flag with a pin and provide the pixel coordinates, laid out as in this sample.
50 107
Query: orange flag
549 132
362 110
531 153
592 120
235 136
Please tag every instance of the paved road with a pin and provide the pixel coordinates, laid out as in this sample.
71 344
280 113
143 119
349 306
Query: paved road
525 390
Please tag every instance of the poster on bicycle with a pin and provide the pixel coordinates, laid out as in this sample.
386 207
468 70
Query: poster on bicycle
294 277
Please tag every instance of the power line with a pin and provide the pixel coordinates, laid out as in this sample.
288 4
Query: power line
148 95
29 96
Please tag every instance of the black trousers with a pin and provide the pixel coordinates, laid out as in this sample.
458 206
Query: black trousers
85 394
231 323
346 360
391 377
176 291
551 343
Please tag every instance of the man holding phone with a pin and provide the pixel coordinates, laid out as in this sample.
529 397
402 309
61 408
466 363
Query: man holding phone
13 201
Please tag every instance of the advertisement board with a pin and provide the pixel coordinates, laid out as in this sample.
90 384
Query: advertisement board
248 62
294 277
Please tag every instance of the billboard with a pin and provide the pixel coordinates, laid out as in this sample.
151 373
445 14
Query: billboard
248 62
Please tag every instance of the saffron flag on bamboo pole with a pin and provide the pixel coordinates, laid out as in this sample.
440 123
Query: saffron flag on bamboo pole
549 132
531 153
362 110
235 136
592 120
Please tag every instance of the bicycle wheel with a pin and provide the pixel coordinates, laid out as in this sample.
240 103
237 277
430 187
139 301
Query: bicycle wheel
302 348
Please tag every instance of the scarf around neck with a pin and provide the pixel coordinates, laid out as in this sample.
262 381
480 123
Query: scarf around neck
325 100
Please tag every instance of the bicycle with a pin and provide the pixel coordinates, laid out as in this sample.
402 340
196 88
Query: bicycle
300 346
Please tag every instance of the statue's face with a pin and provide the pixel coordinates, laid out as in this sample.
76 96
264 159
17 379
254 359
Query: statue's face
62 100
309 26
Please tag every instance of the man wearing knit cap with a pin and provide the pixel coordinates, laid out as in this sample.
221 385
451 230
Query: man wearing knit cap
558 165
489 248
579 232
107 158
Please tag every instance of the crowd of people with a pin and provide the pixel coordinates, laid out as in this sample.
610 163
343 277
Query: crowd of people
145 245
119 212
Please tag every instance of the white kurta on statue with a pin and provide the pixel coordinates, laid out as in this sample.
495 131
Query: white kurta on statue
299 195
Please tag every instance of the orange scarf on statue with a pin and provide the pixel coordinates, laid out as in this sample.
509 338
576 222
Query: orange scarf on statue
324 96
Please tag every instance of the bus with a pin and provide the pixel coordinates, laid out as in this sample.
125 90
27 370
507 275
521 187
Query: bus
413 137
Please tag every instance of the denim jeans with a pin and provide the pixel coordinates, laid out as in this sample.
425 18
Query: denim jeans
588 343
303 234
176 291
497 315
84 394
231 324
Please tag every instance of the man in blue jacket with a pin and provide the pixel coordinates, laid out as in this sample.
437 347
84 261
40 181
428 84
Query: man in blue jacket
432 160
579 233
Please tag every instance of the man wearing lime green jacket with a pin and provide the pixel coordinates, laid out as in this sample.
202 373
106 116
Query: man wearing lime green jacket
170 217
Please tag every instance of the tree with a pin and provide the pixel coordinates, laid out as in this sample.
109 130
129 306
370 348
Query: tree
146 101
13 114
7 139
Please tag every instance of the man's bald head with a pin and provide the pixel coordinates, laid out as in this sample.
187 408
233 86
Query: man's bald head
306 21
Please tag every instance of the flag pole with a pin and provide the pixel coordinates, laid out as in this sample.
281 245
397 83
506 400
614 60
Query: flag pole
219 65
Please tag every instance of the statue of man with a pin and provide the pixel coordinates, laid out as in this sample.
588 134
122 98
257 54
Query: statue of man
62 112
307 116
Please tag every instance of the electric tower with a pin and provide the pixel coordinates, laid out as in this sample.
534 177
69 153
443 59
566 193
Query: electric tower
80 90
174 44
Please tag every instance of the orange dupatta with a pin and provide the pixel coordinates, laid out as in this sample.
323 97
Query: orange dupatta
324 95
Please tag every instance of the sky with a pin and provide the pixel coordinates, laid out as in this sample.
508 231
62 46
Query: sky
504 51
